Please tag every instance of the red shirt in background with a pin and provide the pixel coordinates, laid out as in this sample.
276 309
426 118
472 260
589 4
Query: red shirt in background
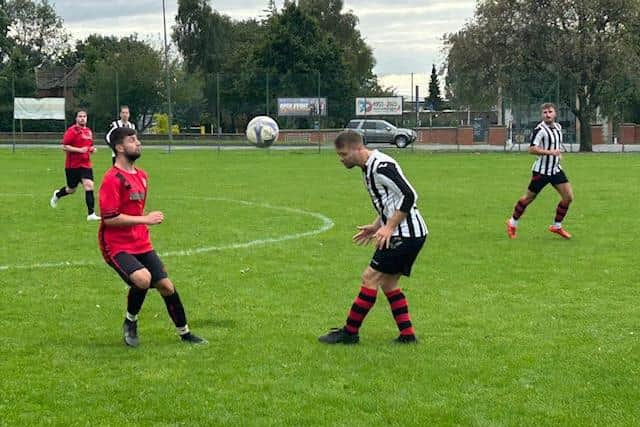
123 193
78 137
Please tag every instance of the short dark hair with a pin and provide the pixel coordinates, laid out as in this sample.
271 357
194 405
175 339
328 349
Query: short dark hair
118 135
122 107
348 137
548 105
82 110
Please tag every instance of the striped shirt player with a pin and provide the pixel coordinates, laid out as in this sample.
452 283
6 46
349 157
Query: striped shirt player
399 232
546 142
123 122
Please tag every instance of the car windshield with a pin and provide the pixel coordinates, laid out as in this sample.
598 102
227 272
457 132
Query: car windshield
352 124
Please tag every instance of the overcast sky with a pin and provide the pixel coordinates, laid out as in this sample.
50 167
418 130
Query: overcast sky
406 35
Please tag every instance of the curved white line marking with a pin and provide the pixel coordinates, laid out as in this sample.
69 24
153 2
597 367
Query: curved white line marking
327 224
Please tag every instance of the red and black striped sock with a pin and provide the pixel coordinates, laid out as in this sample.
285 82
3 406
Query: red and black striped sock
400 310
519 209
561 211
360 308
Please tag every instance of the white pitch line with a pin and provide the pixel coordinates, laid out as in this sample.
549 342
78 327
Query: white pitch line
327 224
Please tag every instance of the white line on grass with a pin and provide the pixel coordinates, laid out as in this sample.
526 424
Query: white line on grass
327 224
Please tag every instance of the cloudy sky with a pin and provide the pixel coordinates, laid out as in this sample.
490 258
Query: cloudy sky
405 34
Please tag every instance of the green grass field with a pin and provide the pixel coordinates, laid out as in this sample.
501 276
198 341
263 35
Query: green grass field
536 331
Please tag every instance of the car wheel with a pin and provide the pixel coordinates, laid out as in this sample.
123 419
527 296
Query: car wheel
401 141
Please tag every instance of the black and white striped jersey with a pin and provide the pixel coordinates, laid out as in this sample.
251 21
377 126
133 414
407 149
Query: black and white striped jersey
114 125
548 138
391 191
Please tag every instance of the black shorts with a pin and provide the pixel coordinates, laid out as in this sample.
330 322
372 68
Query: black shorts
539 181
125 264
76 175
399 257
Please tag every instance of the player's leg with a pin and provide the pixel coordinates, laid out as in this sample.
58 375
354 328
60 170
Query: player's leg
139 280
362 304
399 308
160 280
73 179
538 182
563 187
87 184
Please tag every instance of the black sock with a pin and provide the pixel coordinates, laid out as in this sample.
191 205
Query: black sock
61 192
135 298
176 312
88 196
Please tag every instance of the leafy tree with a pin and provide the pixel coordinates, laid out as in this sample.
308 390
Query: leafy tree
590 47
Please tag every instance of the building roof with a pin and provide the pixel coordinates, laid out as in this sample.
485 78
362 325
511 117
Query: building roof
57 76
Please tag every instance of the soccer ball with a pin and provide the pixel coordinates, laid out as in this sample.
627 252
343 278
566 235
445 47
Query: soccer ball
262 131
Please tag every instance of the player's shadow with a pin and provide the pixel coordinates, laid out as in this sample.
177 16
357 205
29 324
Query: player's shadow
215 323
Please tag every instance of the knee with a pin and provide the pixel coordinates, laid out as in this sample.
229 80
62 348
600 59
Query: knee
165 287
88 186
369 279
568 199
141 278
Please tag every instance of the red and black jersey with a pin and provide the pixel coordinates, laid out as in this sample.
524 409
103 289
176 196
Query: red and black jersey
78 137
123 192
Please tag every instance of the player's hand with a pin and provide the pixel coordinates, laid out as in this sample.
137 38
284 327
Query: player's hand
93 149
383 236
83 149
557 153
364 235
154 218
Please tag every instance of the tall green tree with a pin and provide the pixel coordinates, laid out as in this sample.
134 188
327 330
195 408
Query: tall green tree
37 30
434 100
128 71
587 48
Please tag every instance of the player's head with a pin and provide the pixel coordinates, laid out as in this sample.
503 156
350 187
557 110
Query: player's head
124 113
81 118
125 142
548 112
350 147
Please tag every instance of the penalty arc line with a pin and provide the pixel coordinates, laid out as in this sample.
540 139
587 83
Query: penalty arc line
327 224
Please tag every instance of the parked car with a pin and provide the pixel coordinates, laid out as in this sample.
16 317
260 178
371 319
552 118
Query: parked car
381 131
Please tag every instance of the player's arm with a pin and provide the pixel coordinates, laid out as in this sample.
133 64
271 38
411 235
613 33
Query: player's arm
390 176
366 232
67 143
536 149
109 199
123 220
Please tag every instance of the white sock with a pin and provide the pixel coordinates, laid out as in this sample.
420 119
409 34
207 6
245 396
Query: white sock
131 317
183 330
557 224
513 222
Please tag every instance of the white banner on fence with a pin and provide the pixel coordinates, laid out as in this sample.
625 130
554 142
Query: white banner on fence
38 108
390 106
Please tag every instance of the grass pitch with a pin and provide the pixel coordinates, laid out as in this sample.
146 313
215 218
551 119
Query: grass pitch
536 331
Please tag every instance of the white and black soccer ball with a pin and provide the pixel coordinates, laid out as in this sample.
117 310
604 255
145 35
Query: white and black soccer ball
262 131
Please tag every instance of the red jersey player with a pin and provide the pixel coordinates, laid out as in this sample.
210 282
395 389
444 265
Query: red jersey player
78 143
124 237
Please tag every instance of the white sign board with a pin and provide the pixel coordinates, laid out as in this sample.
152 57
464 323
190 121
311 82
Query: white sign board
38 109
390 106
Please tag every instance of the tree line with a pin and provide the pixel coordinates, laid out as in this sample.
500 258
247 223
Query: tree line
222 71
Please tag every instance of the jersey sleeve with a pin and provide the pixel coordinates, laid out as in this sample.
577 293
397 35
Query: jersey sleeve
107 137
391 177
536 137
69 136
109 197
